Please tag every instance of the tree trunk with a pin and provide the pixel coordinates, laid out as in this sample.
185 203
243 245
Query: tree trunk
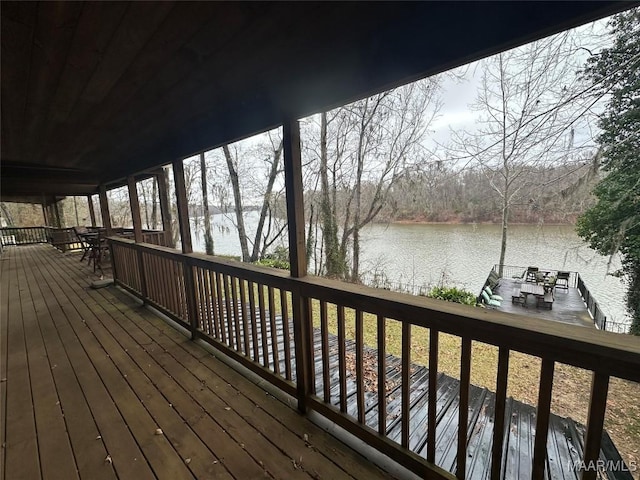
266 203
7 215
208 238
235 183
505 225
355 271
145 201
335 261
154 204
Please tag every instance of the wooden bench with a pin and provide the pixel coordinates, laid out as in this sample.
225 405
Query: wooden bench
517 297
545 301
65 239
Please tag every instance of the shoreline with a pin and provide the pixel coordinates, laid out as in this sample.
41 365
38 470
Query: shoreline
456 222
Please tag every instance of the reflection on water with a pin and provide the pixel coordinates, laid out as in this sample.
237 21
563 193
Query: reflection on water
421 254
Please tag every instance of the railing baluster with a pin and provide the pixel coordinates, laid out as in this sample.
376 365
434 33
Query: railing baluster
199 297
273 327
286 335
173 287
236 314
324 332
221 312
499 419
243 310
382 375
463 410
263 327
432 392
215 331
542 419
207 301
595 423
228 309
342 360
406 382
311 346
360 366
254 326
164 271
179 274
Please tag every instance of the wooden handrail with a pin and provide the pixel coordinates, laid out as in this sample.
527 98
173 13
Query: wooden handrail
617 355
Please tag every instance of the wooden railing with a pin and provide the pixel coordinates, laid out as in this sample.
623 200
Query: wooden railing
237 307
23 235
154 237
599 318
515 272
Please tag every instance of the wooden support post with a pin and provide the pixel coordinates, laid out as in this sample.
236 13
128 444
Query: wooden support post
542 419
500 409
595 424
165 210
463 408
92 211
135 209
137 232
104 210
185 237
45 217
56 213
183 206
298 259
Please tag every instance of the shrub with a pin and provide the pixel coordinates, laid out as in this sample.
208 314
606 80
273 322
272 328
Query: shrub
279 258
452 294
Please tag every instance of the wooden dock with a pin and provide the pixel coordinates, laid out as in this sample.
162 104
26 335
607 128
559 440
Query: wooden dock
96 387
568 306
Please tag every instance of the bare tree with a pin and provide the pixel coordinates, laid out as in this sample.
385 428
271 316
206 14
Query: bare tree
208 238
260 188
361 151
531 103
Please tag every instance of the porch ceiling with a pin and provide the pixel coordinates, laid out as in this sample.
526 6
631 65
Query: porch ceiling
92 92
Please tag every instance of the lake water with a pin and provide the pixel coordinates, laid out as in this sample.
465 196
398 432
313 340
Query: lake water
421 255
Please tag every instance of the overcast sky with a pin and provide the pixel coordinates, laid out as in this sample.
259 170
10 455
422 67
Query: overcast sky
459 90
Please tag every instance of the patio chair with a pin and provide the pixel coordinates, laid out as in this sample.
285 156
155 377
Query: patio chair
98 249
86 248
491 295
562 280
532 276
488 301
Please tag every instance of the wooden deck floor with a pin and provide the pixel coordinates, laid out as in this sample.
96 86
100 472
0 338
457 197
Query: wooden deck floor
568 306
92 387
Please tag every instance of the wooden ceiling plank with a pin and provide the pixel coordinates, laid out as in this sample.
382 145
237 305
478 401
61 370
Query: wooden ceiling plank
167 66
138 25
18 25
140 21
187 98
96 27
55 28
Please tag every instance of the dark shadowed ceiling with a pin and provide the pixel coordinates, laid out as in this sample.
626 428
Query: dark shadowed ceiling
95 91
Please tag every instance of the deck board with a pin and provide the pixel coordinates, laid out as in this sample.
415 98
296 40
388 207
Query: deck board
21 452
56 455
117 373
